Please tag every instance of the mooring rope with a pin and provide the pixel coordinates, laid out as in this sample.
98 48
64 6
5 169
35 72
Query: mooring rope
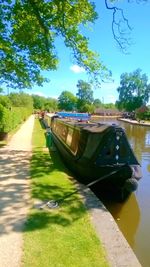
55 203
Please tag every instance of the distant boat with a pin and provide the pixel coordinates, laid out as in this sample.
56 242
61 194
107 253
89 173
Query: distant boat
99 154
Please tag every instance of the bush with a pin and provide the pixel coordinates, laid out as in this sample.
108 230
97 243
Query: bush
11 118
143 113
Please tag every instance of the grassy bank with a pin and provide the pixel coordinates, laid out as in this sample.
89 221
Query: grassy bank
62 237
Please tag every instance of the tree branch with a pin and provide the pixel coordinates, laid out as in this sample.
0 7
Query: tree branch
118 33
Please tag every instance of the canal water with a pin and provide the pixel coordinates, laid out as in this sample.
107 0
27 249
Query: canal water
133 216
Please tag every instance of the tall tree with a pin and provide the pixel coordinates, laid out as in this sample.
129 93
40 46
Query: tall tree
134 90
39 102
97 103
27 38
51 104
67 101
84 95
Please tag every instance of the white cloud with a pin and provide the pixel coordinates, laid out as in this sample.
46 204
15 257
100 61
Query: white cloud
77 69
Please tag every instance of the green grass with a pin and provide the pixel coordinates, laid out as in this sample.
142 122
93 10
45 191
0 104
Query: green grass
62 237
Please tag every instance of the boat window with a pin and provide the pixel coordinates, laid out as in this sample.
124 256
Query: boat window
61 130
69 137
75 141
92 145
64 132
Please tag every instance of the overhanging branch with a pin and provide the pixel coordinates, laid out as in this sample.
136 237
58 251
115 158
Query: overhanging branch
120 35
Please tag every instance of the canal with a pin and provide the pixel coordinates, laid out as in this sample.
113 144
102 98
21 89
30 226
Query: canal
133 216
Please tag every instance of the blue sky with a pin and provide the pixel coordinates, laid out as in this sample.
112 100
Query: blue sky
102 41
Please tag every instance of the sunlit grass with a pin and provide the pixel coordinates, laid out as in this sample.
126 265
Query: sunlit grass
62 237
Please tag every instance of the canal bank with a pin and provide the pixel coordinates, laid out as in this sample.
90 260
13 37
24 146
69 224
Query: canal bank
139 123
119 252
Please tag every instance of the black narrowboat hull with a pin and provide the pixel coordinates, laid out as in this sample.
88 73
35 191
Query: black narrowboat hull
102 169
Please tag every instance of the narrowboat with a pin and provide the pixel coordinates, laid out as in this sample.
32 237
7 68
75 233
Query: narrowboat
99 154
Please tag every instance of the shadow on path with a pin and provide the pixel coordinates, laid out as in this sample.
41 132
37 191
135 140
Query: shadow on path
14 189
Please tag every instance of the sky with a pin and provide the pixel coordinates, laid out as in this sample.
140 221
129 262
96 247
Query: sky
101 40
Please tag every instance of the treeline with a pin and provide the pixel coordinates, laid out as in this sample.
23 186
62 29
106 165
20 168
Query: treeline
16 107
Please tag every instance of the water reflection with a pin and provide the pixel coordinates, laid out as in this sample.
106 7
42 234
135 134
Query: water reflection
127 216
133 216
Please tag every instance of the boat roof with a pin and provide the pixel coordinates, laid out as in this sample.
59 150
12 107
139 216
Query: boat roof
74 115
93 127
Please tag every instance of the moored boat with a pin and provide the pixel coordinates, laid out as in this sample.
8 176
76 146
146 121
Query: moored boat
99 154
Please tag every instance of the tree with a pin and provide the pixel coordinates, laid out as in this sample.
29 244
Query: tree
67 101
134 90
39 102
21 100
97 103
27 40
109 106
51 104
29 29
84 95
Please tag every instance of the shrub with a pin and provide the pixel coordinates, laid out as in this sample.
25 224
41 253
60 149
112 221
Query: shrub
5 124
11 118
143 113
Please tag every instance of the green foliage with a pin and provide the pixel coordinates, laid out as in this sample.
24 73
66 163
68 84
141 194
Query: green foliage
134 90
5 123
67 101
87 108
10 119
21 100
97 103
14 109
143 113
29 45
84 95
43 103
109 106
5 101
51 104
38 102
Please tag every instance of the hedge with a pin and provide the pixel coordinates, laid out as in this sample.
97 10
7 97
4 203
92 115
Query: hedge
11 118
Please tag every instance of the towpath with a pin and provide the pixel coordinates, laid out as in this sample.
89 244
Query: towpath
14 193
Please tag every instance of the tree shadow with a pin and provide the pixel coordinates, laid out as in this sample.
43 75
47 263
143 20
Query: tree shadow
14 189
66 194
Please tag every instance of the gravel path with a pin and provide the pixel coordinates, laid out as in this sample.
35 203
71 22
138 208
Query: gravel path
14 193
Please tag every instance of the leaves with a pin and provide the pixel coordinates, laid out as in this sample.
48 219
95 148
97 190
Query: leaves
134 90
67 101
27 38
85 95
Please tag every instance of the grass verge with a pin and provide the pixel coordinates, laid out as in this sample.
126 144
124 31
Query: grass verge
62 237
